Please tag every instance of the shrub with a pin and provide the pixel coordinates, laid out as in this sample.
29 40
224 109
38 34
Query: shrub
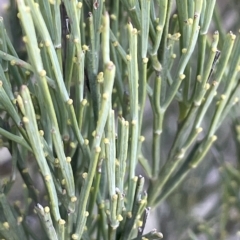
75 97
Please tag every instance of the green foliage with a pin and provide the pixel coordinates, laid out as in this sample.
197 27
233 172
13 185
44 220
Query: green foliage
76 101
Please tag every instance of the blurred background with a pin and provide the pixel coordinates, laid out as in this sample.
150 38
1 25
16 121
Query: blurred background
207 204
